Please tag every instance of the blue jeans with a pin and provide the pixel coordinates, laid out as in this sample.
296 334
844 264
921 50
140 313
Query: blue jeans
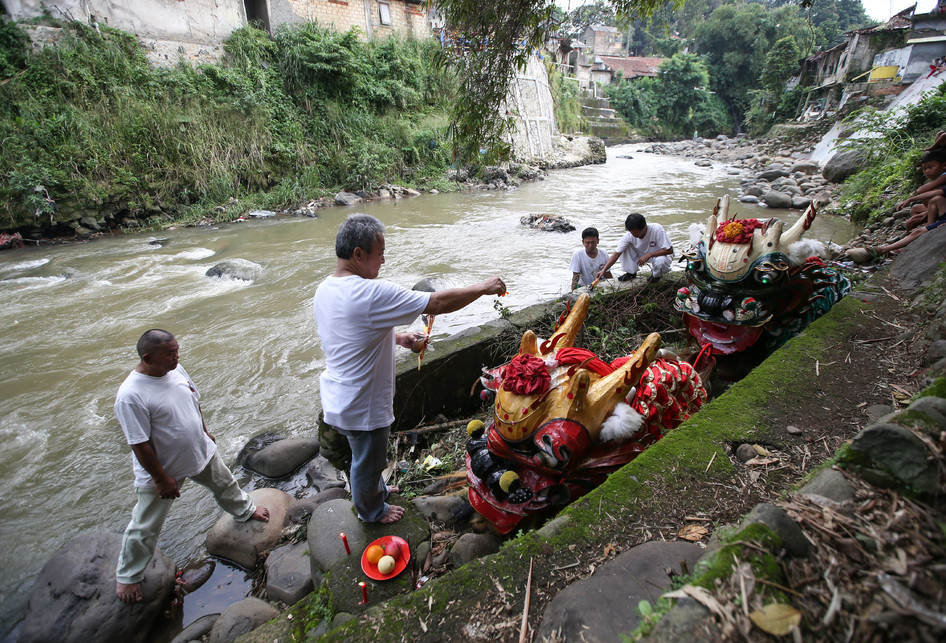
369 458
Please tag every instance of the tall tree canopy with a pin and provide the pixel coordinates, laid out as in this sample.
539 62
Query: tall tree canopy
733 39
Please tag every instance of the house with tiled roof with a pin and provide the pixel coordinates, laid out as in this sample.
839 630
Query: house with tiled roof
633 66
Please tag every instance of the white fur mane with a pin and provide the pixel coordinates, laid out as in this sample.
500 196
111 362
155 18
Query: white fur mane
624 423
804 248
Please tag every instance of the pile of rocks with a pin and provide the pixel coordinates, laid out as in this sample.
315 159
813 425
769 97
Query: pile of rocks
300 548
777 180
779 185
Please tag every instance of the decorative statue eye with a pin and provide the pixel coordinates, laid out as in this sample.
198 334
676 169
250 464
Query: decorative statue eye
766 277
695 265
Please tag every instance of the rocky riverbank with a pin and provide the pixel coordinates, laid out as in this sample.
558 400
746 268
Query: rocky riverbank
75 222
819 555
776 173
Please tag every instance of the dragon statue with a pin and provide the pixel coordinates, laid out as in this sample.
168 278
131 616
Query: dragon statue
747 287
564 419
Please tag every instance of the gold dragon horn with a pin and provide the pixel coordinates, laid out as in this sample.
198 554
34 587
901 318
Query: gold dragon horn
529 344
565 334
611 389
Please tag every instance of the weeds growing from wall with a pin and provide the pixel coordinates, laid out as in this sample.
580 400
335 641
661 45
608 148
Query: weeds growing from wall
89 125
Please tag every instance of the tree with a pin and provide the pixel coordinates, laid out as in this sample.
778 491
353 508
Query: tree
683 82
734 42
598 13
497 38
677 102
780 63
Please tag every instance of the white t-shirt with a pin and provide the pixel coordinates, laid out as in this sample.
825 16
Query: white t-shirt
632 248
586 267
164 410
356 319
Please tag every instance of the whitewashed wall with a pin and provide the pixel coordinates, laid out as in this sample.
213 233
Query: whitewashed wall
530 100
199 21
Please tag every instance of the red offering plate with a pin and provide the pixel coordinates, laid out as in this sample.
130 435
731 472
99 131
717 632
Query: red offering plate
401 554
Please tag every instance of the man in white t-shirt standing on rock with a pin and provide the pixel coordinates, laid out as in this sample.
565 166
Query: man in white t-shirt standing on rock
643 243
157 406
356 314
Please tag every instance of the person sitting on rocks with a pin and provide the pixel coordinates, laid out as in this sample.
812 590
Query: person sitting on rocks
643 243
158 409
933 167
933 201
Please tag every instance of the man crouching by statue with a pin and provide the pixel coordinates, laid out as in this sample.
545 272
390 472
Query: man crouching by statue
356 314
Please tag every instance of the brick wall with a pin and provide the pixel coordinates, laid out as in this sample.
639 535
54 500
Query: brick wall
407 19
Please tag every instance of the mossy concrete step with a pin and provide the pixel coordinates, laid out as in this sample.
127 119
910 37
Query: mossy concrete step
693 455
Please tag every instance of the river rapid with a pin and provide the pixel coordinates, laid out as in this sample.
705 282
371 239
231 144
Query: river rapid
71 315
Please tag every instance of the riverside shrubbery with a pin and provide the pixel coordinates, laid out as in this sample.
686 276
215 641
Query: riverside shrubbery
90 125
893 147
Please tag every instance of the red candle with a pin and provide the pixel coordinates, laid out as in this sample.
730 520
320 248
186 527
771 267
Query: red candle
345 540
364 592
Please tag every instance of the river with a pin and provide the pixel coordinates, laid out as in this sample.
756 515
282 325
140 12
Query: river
71 315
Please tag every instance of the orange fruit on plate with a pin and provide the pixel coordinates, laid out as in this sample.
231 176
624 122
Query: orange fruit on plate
374 554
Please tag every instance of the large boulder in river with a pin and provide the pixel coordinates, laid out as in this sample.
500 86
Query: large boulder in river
329 520
347 198
776 199
236 269
240 618
243 542
843 164
289 573
281 458
73 598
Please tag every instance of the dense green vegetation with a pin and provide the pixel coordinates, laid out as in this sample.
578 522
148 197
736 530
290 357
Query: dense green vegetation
674 104
89 124
892 148
746 49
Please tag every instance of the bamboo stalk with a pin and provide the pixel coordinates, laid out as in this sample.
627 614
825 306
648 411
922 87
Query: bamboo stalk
524 628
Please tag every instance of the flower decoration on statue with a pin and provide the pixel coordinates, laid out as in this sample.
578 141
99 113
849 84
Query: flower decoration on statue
737 231
527 375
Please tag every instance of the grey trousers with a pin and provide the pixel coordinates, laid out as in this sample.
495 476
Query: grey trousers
149 514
